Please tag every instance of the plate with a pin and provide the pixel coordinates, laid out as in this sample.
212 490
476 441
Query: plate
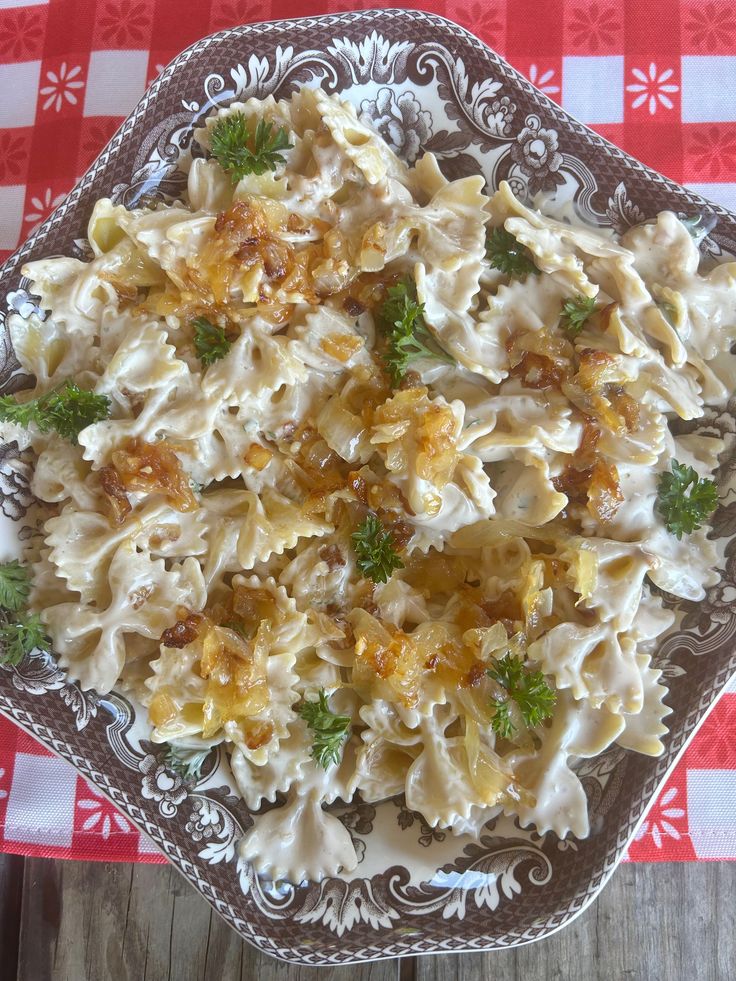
416 889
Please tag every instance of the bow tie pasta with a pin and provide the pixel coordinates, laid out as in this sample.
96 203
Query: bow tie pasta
369 476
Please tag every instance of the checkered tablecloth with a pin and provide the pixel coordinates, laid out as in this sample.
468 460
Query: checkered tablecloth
657 77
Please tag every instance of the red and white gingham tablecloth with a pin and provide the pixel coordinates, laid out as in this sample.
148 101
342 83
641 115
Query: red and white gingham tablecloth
657 77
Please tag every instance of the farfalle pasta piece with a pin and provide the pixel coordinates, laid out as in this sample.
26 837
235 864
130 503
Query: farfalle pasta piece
519 420
667 256
208 187
283 769
327 341
299 841
45 350
400 604
619 579
577 730
245 528
526 493
644 729
82 543
452 775
73 290
90 640
361 144
61 474
140 379
683 568
321 575
256 366
594 662
388 750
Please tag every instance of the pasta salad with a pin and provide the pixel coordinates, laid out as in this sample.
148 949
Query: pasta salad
368 475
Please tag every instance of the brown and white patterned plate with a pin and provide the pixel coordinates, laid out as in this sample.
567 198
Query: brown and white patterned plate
416 889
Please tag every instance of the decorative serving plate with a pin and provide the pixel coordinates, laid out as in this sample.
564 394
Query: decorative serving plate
416 889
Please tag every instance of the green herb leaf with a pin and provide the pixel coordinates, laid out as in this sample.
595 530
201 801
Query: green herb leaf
20 637
15 585
66 410
210 342
403 323
232 147
330 731
375 550
575 312
501 722
509 255
186 762
684 500
533 696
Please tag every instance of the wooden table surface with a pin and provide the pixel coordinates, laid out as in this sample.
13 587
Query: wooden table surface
69 921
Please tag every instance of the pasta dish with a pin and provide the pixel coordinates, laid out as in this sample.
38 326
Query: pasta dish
368 476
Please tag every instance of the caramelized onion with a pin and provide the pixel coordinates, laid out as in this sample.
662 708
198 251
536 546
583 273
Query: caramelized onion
114 491
183 632
154 468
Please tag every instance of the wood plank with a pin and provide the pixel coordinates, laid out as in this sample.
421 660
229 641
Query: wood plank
11 893
144 923
651 923
140 923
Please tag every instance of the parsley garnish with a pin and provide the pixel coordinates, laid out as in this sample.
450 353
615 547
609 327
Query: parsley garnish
187 763
375 550
229 143
15 585
683 511
405 329
66 410
20 632
575 312
210 342
533 696
20 637
330 731
509 255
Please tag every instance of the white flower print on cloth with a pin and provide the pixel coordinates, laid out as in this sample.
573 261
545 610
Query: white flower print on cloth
60 87
659 823
102 816
544 81
43 206
651 88
3 793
